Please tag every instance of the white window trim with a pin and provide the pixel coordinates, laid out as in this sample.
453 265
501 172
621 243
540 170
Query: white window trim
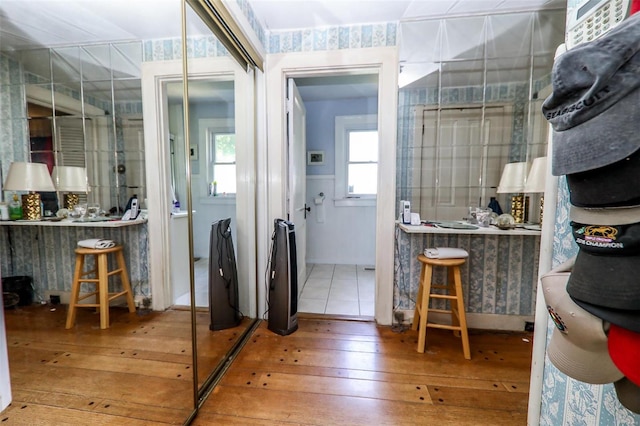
215 125
344 124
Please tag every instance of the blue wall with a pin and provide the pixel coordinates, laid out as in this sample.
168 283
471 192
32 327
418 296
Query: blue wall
321 127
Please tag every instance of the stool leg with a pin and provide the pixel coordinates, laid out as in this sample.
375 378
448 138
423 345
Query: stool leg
75 290
451 284
461 314
424 308
416 311
103 285
126 284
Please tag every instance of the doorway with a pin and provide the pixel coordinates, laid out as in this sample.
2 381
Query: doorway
272 154
340 172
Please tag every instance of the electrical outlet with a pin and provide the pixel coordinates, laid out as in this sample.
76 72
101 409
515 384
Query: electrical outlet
139 300
146 303
528 326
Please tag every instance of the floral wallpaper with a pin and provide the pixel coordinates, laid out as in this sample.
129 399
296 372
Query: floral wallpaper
566 401
333 38
498 278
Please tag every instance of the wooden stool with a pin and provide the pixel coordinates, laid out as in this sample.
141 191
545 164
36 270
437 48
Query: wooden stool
101 280
454 296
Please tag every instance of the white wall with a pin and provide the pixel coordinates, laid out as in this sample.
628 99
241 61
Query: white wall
346 235
208 210
5 382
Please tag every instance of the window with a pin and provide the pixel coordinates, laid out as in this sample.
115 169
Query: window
362 162
222 163
356 159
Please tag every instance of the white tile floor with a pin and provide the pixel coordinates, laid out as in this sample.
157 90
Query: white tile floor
329 289
338 290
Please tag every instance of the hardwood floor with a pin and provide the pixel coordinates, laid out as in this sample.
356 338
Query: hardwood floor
137 372
328 372
333 372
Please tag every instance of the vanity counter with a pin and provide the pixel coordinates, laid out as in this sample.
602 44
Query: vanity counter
66 222
490 230
499 278
44 250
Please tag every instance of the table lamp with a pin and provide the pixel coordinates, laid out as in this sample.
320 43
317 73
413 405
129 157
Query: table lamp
70 180
536 180
512 182
30 177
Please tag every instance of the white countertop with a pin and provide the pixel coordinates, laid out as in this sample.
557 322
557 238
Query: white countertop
72 222
491 230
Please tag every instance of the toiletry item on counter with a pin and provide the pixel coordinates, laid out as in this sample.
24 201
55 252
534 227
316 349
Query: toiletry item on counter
4 211
15 208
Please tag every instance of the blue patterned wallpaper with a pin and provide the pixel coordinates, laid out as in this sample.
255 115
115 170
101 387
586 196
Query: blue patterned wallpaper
247 11
503 280
512 93
333 38
171 48
498 278
13 111
566 401
46 254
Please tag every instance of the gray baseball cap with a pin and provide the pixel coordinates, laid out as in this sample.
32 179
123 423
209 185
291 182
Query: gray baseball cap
594 108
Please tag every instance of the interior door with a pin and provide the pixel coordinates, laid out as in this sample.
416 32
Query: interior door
297 191
459 168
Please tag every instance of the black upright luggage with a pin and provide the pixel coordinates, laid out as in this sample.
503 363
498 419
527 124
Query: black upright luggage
223 278
283 280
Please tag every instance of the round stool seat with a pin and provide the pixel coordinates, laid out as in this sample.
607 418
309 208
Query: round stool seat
86 250
442 262
452 293
99 276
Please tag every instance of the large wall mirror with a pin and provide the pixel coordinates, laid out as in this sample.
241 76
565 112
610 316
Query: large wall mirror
122 111
200 168
84 106
470 103
219 161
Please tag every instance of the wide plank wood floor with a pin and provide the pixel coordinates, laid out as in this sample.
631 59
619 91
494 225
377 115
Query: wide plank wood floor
137 372
333 372
328 372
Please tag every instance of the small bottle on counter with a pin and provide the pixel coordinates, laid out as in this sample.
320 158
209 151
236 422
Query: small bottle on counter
4 211
15 208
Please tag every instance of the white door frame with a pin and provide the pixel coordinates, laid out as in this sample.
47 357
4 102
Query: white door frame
380 60
156 137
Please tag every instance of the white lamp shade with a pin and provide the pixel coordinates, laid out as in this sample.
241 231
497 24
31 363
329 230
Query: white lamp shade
512 179
28 177
70 179
537 174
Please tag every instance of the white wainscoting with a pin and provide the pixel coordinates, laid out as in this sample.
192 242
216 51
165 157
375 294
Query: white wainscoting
339 235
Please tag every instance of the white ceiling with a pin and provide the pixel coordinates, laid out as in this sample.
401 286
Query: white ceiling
293 14
49 23
26 24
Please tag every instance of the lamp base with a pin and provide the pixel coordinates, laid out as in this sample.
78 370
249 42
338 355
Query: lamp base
31 206
71 200
520 208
